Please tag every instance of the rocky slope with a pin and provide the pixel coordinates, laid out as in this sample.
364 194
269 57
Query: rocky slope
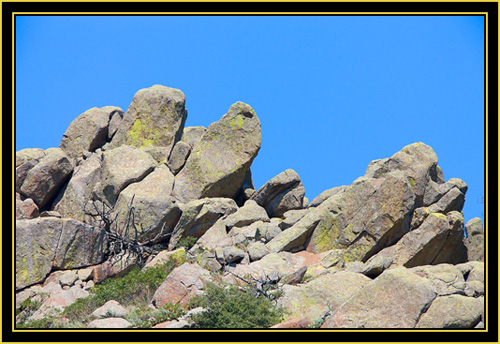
387 251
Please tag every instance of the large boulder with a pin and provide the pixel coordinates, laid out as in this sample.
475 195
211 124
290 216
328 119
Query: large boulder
282 193
198 216
220 160
47 243
155 117
178 156
44 180
437 240
417 161
72 200
26 159
87 132
395 299
325 293
25 208
363 218
155 211
121 167
453 311
181 285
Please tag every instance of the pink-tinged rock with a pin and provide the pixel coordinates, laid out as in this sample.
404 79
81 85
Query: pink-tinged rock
294 323
59 301
111 308
109 323
181 285
26 209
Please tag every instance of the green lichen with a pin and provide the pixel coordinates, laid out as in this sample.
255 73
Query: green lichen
412 182
143 133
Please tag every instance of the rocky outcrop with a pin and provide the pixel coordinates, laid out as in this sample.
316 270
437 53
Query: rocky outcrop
137 188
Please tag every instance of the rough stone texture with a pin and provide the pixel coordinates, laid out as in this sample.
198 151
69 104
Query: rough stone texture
28 154
453 311
291 217
72 200
257 250
109 323
325 195
25 209
198 216
395 299
325 293
27 159
155 117
155 212
110 309
178 157
45 179
417 161
115 266
46 243
282 193
446 279
179 256
250 212
436 191
159 154
59 301
115 119
86 133
191 135
274 265
220 160
121 167
181 285
437 240
215 236
475 239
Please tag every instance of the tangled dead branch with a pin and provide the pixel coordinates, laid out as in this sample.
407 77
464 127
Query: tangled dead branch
123 242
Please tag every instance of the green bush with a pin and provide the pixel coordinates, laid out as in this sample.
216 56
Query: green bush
136 288
235 307
148 317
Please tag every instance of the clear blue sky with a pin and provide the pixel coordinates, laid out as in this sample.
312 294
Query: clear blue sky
332 92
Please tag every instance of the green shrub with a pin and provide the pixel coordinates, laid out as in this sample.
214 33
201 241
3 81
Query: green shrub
235 307
148 317
136 288
187 242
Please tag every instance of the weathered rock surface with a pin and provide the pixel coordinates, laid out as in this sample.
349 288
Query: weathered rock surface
121 167
46 243
396 299
178 156
155 212
453 311
110 309
475 239
437 240
220 160
87 132
191 135
198 216
72 200
280 194
325 293
155 117
44 180
181 285
25 209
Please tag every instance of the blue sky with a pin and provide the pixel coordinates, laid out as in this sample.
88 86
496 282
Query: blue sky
332 92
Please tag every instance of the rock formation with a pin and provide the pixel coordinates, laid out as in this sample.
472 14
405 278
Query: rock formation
391 250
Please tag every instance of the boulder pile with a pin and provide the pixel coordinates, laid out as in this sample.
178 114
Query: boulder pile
391 250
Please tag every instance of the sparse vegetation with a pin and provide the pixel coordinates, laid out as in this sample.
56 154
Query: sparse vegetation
235 307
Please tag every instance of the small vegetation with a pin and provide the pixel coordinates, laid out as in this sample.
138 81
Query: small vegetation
235 307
